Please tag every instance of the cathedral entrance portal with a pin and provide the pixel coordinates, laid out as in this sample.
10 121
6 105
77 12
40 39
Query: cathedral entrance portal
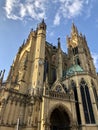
59 119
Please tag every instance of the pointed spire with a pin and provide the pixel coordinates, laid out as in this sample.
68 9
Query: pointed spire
31 29
42 25
2 75
43 20
23 43
80 34
59 44
74 29
84 37
0 72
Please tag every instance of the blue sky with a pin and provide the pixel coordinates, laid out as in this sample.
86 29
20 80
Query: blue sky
18 17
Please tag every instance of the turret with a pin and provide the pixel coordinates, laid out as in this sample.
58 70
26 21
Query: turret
74 30
73 41
39 56
59 67
78 51
42 26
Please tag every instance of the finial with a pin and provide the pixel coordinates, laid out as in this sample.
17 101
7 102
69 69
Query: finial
74 29
59 42
2 76
43 20
84 37
31 29
42 25
23 42
80 34
58 39
0 72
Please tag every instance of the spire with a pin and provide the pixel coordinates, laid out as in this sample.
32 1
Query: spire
23 42
74 29
2 75
0 72
43 21
42 25
59 66
59 44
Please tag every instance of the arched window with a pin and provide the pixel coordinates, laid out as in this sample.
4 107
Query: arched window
45 69
77 102
75 50
87 105
95 93
78 61
53 70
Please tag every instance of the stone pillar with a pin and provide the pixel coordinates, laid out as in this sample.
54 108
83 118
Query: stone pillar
16 116
94 106
3 107
26 114
42 116
39 118
80 106
6 112
12 112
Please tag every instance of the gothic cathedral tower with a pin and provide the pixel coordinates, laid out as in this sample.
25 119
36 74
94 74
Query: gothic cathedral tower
48 89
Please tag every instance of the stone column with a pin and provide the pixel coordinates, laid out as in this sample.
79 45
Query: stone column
26 114
12 112
81 108
94 106
16 116
6 112
3 107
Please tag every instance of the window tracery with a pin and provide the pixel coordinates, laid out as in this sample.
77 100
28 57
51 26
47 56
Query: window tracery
87 105
58 88
95 93
77 102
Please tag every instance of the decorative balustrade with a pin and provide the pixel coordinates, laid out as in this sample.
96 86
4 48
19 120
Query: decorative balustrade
59 95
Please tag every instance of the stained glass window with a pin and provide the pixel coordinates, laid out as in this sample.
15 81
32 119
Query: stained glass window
77 102
87 105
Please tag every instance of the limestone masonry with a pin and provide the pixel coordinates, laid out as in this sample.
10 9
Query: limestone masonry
48 89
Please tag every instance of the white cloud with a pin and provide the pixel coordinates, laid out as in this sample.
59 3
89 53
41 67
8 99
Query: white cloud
72 8
38 9
16 9
22 10
95 57
51 33
10 6
57 19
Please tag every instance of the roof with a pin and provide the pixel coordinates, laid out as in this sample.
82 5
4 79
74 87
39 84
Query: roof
73 69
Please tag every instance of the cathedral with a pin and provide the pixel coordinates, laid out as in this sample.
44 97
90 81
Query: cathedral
48 89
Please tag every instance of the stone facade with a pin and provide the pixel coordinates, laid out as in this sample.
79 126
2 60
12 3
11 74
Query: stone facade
48 89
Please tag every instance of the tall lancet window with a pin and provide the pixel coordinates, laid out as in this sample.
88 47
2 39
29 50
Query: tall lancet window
45 68
76 102
87 105
95 93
